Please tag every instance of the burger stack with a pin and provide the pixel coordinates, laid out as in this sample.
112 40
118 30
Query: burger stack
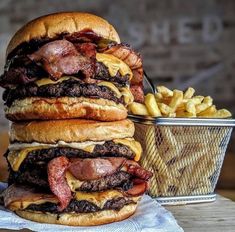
72 157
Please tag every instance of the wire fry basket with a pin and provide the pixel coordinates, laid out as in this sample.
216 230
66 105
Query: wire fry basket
185 155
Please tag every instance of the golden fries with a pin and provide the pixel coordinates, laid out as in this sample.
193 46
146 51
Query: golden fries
189 93
151 105
138 108
165 109
176 103
164 91
176 100
184 160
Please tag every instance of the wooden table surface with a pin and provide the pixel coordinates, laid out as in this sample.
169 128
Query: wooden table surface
218 216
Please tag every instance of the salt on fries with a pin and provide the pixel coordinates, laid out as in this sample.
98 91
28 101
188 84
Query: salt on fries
176 103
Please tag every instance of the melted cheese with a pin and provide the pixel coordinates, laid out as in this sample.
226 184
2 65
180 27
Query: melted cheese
15 158
124 91
18 152
112 87
128 96
25 203
73 182
133 145
114 64
98 198
47 81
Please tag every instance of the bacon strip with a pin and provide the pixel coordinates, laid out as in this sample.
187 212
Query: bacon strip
138 171
134 61
61 57
56 177
138 93
139 188
21 193
92 169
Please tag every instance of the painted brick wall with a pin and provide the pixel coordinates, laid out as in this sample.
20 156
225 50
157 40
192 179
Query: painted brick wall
182 42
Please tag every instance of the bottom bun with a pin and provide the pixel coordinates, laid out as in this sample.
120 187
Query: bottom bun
64 108
80 219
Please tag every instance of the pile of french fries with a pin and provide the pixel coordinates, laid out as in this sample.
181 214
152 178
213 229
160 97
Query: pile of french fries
185 160
176 103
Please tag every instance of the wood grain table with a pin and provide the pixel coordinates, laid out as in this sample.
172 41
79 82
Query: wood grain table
218 216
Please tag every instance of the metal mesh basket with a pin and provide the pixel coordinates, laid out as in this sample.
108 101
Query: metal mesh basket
185 155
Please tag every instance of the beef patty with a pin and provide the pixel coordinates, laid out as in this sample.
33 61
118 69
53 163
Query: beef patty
81 206
33 169
68 88
37 177
108 149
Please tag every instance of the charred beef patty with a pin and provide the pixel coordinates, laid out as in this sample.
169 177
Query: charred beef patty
68 88
108 149
33 169
81 206
102 73
37 177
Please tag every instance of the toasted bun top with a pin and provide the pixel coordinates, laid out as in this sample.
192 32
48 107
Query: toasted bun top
54 24
73 130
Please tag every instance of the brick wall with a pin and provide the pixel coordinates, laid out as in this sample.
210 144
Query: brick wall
182 42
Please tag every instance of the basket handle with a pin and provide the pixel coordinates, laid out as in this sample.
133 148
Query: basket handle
148 84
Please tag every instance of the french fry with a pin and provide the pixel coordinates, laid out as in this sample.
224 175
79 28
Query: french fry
190 107
207 102
138 108
181 106
184 114
165 91
169 145
158 97
223 113
189 93
172 115
165 109
178 104
198 99
202 187
186 161
176 100
208 113
151 105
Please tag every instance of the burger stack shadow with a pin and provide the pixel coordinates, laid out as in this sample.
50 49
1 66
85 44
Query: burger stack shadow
72 158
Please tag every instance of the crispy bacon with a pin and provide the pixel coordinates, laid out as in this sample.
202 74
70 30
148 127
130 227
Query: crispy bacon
139 172
139 188
134 61
136 170
87 49
130 57
127 54
138 93
21 193
61 57
91 169
56 177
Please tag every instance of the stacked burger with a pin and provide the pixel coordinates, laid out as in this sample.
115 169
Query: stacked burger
72 157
